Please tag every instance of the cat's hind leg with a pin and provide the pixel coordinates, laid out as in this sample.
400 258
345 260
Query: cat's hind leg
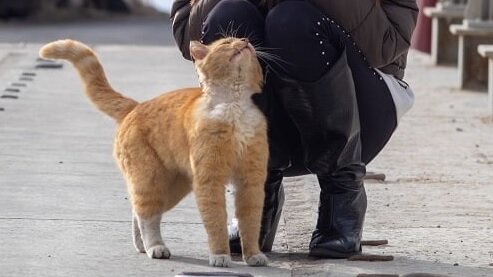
174 189
150 229
148 185
137 237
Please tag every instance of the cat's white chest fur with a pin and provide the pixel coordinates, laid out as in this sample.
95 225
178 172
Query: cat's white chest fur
237 110
245 117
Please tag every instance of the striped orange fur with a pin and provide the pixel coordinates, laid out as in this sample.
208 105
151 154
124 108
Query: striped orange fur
92 74
196 139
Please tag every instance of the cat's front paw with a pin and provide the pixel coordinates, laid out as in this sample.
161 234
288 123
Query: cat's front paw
220 260
257 260
158 252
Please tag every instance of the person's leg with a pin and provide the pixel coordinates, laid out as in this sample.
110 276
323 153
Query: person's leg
312 45
378 118
310 50
343 198
237 18
336 238
306 49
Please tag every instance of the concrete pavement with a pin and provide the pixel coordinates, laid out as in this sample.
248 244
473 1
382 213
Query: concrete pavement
127 30
64 209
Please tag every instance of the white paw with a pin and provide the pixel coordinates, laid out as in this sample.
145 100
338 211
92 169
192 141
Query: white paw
220 260
158 252
257 260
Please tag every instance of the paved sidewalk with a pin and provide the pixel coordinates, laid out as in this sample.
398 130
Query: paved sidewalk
64 209
128 30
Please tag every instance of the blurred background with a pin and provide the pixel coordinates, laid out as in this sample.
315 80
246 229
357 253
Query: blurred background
139 22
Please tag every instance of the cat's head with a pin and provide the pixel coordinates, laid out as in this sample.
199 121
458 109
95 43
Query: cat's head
227 61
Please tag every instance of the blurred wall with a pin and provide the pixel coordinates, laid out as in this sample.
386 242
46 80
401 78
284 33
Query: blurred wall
25 8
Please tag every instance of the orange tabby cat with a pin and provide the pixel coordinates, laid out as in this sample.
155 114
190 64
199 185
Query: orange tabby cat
191 139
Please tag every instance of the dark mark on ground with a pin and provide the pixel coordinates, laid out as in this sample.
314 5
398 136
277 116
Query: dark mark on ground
9 96
214 274
44 60
12 90
18 85
374 242
377 275
405 275
371 258
25 79
375 176
28 74
423 275
49 65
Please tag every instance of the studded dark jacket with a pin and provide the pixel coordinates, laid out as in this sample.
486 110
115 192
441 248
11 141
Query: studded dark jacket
382 29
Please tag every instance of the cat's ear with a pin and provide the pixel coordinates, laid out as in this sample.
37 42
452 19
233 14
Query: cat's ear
198 50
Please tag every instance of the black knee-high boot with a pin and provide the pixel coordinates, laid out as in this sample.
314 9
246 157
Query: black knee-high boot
341 210
325 114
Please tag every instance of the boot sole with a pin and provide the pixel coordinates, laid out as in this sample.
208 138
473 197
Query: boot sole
330 254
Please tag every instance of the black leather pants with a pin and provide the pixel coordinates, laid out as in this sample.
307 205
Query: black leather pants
303 48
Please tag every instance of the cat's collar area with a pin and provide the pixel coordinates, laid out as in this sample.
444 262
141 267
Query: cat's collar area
231 93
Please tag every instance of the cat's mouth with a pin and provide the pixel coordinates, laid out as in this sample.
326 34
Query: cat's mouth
247 48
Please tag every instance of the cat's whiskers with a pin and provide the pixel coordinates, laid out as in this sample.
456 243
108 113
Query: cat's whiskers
269 58
234 33
252 36
223 33
229 32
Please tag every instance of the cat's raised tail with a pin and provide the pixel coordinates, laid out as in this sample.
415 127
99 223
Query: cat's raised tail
92 74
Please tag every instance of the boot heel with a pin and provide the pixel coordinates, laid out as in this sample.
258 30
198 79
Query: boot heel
269 239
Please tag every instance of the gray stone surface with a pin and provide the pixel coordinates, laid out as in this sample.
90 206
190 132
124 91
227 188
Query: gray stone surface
473 69
444 45
63 206
487 52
